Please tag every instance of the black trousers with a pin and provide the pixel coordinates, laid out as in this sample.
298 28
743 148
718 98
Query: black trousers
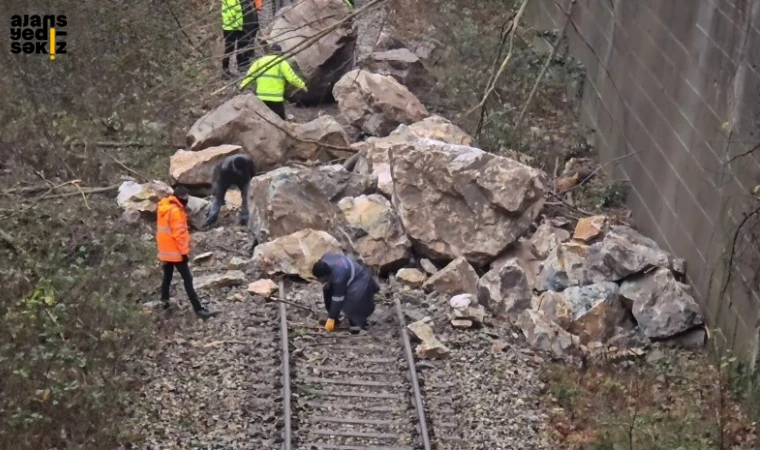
243 39
187 278
277 108
327 296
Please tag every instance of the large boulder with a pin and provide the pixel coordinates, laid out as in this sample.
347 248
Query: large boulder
376 231
322 130
458 277
527 258
321 62
288 199
243 120
402 65
545 335
376 150
505 291
294 254
376 104
594 312
194 168
661 306
461 201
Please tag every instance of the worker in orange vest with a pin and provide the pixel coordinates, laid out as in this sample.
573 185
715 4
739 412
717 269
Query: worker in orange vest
173 240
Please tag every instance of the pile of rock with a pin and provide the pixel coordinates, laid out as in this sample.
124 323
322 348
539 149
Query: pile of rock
420 191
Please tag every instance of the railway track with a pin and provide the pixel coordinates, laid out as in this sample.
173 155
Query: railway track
350 392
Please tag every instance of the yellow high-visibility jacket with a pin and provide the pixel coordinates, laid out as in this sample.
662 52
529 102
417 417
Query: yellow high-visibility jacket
270 73
232 15
350 4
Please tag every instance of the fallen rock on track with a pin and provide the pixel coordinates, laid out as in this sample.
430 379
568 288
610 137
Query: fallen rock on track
412 278
246 121
194 168
294 254
504 291
465 311
461 201
375 231
430 347
324 60
264 287
458 277
287 200
376 104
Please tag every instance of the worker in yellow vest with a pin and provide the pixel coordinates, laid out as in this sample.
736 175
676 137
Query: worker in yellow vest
271 72
240 23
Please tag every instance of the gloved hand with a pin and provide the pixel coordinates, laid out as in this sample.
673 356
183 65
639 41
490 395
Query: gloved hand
330 325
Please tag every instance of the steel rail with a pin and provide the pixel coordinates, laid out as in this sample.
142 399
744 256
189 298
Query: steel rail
413 374
288 432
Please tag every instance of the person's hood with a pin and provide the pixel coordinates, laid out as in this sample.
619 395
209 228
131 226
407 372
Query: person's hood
166 204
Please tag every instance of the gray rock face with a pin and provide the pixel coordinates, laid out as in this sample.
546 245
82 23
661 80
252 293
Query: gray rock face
660 305
504 291
458 277
547 238
465 311
461 201
565 266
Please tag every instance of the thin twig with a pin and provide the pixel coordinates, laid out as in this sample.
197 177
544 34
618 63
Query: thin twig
545 67
124 166
600 168
87 205
504 63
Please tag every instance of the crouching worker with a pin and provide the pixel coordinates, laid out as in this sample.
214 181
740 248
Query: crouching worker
234 170
173 242
348 287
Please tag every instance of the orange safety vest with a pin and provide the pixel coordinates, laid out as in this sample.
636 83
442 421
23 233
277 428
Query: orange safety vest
172 237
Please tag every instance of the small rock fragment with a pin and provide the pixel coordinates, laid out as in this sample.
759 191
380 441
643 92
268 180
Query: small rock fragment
589 228
264 287
428 266
236 263
431 347
227 279
203 257
464 307
411 277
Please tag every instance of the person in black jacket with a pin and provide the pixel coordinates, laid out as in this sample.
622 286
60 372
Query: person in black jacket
348 287
234 170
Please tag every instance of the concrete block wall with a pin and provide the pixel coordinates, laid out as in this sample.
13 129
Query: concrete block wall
675 84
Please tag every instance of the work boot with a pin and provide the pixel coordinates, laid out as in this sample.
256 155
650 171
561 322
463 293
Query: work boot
355 329
205 314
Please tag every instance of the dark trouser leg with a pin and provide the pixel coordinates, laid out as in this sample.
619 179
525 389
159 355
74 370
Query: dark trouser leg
246 44
327 295
244 210
229 46
277 108
217 202
187 278
167 281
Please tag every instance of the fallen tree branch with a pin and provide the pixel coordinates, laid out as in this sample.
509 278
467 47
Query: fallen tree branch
504 63
545 67
97 190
